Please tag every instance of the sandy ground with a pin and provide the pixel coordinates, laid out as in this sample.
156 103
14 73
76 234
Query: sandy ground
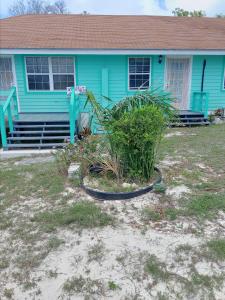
121 254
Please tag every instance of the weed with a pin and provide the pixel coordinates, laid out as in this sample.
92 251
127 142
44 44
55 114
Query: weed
113 286
96 252
216 249
149 214
54 243
8 293
156 269
205 206
84 214
4 263
171 213
85 286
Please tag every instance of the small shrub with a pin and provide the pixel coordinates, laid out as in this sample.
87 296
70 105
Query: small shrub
134 139
134 128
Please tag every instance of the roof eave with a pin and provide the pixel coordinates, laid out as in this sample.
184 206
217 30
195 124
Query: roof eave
11 51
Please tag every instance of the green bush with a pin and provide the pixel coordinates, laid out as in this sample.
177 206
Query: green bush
134 138
133 128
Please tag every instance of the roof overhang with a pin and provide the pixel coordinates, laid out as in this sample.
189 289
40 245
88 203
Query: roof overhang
113 51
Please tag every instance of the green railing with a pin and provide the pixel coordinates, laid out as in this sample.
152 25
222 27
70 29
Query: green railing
73 112
9 109
200 102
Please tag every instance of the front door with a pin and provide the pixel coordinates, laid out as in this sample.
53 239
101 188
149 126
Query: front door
178 80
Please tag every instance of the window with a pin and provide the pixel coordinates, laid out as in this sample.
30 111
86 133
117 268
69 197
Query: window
6 73
49 73
63 72
139 73
38 73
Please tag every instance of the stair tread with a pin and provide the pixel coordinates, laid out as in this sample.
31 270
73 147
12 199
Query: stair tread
38 131
36 145
26 138
42 121
41 126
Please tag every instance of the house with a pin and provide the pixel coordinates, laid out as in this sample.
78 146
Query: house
113 56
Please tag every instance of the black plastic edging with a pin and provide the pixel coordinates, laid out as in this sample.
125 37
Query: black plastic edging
122 195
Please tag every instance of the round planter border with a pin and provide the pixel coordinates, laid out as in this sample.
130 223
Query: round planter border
121 195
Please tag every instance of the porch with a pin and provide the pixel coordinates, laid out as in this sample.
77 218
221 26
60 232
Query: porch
55 130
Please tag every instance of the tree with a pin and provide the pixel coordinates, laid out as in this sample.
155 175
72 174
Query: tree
220 16
180 12
20 7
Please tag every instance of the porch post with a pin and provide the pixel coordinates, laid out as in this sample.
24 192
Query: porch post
2 127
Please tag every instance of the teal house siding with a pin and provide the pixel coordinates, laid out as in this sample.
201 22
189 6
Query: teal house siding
107 75
213 82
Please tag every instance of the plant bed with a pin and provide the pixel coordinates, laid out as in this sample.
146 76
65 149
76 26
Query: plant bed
123 192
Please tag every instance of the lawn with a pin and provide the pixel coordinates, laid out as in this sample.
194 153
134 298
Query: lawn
58 243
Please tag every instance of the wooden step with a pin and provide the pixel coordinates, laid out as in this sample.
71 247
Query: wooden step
38 132
32 138
42 126
40 122
37 146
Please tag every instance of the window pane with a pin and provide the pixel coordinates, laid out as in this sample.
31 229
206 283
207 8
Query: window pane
38 82
63 65
139 73
139 82
61 82
139 65
6 74
37 65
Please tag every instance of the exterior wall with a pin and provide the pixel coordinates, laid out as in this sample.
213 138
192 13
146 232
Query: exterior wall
108 75
213 83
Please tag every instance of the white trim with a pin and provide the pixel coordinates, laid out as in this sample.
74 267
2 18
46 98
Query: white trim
50 74
15 82
189 76
223 79
51 85
14 77
113 51
150 71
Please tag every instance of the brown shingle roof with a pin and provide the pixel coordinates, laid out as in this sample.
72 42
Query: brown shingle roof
112 32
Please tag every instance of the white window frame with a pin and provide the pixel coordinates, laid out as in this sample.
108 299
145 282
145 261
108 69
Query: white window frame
50 74
27 74
53 73
223 81
150 70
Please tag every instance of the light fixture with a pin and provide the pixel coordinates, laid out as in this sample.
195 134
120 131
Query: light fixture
160 59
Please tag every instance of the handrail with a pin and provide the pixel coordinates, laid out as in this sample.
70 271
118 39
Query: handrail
200 102
73 111
7 108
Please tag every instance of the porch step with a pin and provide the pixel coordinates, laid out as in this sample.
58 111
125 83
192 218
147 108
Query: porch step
188 118
32 138
36 146
32 132
42 126
38 134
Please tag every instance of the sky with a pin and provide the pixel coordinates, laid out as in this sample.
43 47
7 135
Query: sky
138 7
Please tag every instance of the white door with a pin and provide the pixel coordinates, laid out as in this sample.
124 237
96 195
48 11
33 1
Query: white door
178 80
